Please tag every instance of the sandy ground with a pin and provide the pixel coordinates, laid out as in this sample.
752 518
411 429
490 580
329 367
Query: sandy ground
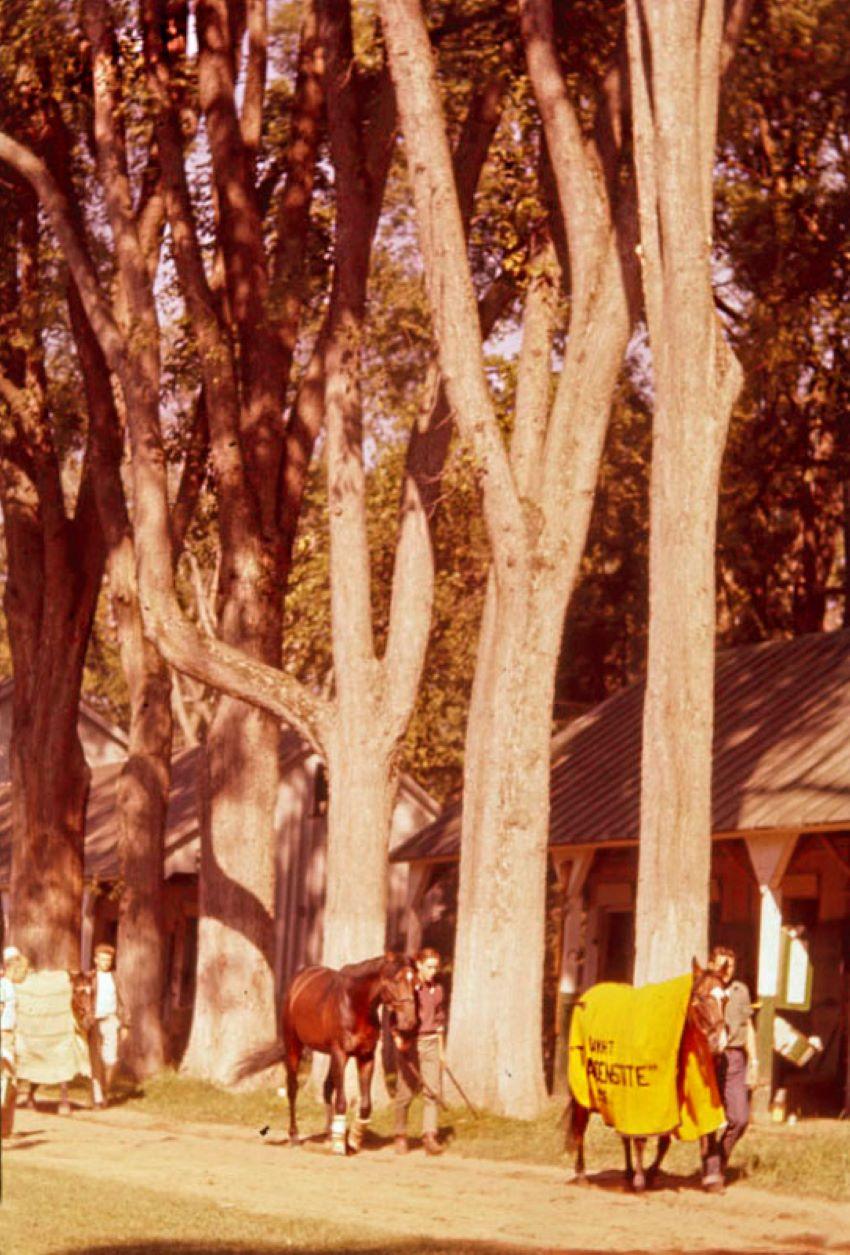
534 1208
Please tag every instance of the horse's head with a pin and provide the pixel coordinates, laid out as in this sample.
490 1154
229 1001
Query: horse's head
706 1007
398 994
82 1000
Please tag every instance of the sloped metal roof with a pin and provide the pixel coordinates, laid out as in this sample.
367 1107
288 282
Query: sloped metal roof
781 753
101 849
182 835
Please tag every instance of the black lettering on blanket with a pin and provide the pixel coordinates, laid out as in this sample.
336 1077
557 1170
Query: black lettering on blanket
626 1075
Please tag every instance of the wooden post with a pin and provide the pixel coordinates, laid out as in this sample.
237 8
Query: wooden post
87 928
770 856
419 878
572 876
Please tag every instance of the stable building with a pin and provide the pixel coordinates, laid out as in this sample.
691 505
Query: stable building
780 875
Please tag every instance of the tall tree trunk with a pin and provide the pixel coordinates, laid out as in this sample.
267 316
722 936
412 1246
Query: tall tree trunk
55 569
142 806
536 504
50 782
143 788
495 1042
234 994
675 57
50 777
360 804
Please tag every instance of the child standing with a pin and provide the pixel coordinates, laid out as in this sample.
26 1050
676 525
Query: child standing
108 1021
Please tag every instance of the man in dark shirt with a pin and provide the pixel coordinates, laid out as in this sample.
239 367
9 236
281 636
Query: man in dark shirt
420 1068
731 1063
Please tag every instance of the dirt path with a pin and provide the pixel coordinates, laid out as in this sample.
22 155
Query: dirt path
530 1207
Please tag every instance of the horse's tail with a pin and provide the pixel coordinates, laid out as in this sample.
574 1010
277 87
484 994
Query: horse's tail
574 1120
258 1060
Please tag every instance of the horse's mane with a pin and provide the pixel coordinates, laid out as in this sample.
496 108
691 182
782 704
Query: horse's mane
371 967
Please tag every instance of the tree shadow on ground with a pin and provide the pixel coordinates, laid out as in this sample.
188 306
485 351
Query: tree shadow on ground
393 1246
24 1141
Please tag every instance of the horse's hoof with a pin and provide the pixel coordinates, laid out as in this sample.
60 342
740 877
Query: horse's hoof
638 1185
714 1187
578 1179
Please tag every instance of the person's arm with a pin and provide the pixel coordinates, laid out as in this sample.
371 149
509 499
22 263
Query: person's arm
440 1009
739 1010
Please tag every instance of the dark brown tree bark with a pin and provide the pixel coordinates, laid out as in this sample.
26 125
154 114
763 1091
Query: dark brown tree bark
56 563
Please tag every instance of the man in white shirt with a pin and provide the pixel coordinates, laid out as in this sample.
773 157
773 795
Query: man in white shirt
108 1021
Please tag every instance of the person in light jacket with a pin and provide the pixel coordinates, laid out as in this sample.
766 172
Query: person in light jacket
108 1022
420 1068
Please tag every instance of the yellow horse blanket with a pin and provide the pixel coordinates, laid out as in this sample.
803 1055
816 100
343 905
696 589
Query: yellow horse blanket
635 1060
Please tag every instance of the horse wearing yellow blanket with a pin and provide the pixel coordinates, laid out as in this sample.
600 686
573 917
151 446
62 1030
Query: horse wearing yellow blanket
642 1058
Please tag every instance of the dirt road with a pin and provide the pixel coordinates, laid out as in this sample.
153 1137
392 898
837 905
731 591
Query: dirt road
530 1207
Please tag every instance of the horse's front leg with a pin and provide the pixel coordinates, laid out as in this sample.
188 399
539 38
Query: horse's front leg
365 1071
628 1170
291 1061
655 1167
336 1082
638 1180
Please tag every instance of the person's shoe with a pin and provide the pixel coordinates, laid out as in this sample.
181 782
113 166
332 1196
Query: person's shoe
401 1146
432 1146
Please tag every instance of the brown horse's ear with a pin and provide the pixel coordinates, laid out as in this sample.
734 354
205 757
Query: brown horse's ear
695 966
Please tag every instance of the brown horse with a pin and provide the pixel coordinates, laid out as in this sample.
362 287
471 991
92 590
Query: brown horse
336 1013
705 1015
82 1001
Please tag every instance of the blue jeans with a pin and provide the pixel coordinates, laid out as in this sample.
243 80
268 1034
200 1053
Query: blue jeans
732 1079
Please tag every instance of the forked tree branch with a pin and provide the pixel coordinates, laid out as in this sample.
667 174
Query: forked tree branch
449 284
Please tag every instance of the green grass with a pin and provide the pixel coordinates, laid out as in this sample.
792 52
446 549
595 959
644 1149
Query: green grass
48 1212
770 1156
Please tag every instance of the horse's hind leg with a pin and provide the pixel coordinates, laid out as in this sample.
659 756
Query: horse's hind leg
365 1069
328 1098
577 1119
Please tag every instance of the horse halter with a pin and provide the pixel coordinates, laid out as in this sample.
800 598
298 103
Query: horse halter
394 1001
706 1008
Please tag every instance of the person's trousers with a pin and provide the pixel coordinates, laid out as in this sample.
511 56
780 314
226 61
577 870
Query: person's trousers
424 1056
103 1043
732 1079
